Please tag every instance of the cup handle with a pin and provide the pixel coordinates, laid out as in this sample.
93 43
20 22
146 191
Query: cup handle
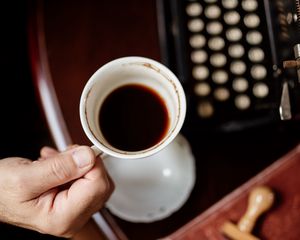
97 151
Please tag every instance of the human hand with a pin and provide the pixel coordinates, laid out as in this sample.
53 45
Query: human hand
56 194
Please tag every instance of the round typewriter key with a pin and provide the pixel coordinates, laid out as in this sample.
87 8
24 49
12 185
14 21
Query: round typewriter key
234 34
218 59
260 90
229 4
256 54
221 94
242 102
258 72
205 109
202 89
238 67
254 37
220 76
236 50
212 11
251 20
195 25
199 56
194 9
231 17
240 84
200 72
249 5
216 43
214 27
197 41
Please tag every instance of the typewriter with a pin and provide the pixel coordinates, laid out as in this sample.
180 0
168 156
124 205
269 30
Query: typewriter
229 56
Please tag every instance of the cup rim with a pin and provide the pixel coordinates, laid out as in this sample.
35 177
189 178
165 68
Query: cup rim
160 68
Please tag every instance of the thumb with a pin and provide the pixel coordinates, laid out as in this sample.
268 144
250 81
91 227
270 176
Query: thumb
60 169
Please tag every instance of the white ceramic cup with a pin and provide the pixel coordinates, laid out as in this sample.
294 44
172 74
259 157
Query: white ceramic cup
124 71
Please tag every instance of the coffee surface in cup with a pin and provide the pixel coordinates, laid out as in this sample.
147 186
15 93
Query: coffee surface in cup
133 117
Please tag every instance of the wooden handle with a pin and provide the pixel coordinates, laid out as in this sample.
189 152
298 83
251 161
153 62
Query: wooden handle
291 64
231 231
260 200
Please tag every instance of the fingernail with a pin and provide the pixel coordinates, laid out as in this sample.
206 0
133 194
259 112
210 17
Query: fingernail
82 157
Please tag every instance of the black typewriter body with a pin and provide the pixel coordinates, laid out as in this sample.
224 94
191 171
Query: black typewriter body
228 55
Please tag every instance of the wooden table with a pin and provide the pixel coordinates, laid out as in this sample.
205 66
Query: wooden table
70 40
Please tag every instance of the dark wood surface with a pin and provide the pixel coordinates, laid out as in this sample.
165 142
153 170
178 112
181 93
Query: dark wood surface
83 35
280 222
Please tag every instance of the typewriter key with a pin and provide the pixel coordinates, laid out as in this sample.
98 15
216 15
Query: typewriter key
242 102
234 34
260 90
258 72
216 43
251 20
221 94
249 5
199 56
236 50
194 9
197 41
195 25
220 76
205 109
240 84
212 11
238 67
202 89
231 17
218 59
256 54
254 37
230 4
214 28
200 72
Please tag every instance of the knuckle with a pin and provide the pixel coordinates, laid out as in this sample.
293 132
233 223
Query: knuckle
105 188
103 184
59 169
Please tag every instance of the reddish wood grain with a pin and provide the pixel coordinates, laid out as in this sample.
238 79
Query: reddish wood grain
280 222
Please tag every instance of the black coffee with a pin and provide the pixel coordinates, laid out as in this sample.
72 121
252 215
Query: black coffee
133 118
